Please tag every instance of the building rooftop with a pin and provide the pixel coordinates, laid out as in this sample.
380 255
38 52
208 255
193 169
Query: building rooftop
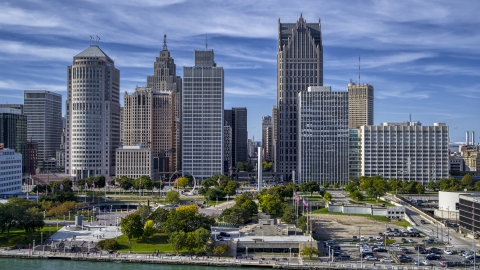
92 51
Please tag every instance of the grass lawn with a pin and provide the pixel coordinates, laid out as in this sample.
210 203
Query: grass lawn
47 231
402 223
372 202
377 218
157 241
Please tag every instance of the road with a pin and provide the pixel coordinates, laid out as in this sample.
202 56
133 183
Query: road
445 234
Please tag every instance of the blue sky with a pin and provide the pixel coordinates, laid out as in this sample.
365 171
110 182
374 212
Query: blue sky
422 57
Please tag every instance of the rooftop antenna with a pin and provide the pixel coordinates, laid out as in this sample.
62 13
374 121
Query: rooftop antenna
206 41
359 70
410 118
165 42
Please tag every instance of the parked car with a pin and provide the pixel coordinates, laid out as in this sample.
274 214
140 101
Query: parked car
370 238
354 238
380 249
433 257
387 260
378 238
224 234
423 221
394 245
362 238
448 252
426 263
371 258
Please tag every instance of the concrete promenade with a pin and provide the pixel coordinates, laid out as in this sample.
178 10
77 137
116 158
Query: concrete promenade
201 261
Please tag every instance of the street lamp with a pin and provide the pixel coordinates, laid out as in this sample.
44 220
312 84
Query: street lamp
247 252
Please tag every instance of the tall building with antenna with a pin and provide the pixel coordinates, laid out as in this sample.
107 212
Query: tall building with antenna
92 114
152 114
299 65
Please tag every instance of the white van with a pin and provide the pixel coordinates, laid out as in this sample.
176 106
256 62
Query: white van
410 229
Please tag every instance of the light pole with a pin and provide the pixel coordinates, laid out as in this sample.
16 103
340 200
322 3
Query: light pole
289 259
247 252
68 215
57 223
448 227
361 258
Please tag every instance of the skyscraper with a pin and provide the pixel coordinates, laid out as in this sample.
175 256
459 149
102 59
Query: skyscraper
44 121
360 105
299 65
202 116
267 138
13 131
323 129
165 79
93 114
149 121
236 118
151 115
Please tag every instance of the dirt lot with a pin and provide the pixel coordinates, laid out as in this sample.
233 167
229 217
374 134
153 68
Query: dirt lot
343 227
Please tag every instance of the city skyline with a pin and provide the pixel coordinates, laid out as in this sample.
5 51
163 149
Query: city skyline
422 58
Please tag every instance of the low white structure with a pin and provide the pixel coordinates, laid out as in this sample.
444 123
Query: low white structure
392 212
448 203
10 172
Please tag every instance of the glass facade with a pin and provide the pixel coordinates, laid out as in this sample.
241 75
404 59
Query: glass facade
13 133
323 136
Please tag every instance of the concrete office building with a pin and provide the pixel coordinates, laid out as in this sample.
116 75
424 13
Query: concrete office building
149 121
323 135
13 132
360 105
267 138
92 114
136 161
236 118
44 122
202 117
11 171
13 106
405 150
299 65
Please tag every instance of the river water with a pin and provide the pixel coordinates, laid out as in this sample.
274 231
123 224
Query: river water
40 264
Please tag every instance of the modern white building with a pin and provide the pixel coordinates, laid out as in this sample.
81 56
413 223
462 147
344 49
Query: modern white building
92 114
405 150
323 135
203 116
10 172
136 161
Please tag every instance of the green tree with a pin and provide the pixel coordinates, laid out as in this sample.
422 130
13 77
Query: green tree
310 186
148 229
420 188
302 223
336 185
289 214
183 182
177 240
310 251
221 250
477 186
144 212
236 215
131 226
203 242
159 216
327 197
172 197
231 187
394 184
187 219
267 166
272 204
190 242
108 244
357 195
214 193
126 183
433 185
326 184
467 180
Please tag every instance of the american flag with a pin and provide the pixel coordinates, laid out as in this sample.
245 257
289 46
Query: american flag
93 185
296 197
86 185
218 180
117 184
305 203
27 195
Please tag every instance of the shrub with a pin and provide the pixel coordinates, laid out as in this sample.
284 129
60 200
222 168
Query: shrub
108 244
